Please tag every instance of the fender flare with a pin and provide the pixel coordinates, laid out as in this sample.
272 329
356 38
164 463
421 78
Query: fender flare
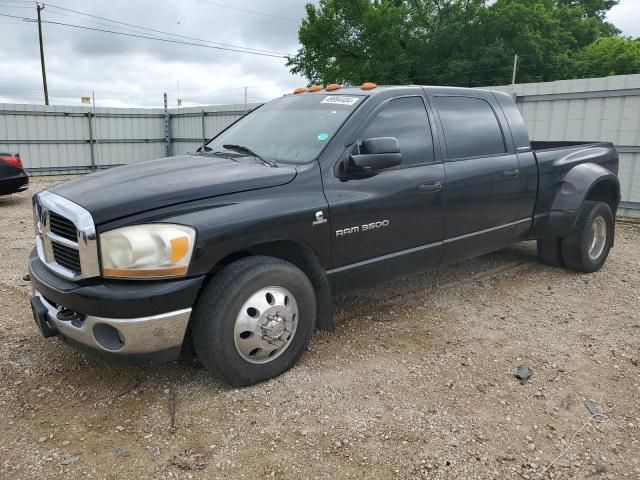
307 260
575 187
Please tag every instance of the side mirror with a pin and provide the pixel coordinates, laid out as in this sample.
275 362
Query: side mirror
376 154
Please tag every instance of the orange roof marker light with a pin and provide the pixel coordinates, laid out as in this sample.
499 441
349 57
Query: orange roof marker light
299 90
332 87
315 88
368 86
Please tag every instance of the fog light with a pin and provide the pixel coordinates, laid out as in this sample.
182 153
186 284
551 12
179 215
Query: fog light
108 337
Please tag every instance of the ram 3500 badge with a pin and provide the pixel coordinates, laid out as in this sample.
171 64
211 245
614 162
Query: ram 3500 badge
366 227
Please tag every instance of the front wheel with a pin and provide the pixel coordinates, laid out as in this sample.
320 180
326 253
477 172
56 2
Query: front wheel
587 248
254 320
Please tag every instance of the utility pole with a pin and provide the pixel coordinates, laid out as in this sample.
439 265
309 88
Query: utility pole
44 70
245 99
513 78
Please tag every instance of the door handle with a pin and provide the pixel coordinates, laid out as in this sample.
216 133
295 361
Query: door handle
514 172
430 187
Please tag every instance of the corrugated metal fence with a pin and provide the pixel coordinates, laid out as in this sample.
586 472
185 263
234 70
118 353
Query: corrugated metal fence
62 139
190 126
75 139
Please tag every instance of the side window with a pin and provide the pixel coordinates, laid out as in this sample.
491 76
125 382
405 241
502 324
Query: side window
470 127
405 119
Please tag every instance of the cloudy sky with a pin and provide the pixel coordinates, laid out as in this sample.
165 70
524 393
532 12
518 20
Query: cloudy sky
126 71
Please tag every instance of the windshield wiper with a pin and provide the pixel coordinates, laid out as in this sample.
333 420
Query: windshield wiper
224 155
248 151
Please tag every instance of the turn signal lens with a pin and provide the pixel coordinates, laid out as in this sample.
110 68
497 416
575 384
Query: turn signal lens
315 88
179 248
368 86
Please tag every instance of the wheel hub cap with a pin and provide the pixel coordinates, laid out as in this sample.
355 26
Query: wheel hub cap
598 238
266 324
274 327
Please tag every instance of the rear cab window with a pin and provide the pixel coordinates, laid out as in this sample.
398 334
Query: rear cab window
470 126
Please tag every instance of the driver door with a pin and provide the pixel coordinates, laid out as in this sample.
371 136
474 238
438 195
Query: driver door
391 222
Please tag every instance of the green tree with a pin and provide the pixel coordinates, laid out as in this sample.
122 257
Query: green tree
454 42
609 56
592 8
348 40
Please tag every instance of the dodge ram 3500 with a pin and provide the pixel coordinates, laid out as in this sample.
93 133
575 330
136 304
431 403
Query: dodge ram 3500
241 247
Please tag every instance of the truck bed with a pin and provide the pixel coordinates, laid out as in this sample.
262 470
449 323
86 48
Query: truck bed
538 145
556 158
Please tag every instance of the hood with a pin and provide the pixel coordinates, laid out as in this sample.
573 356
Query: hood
144 186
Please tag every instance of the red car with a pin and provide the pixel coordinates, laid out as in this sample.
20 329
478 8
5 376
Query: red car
12 176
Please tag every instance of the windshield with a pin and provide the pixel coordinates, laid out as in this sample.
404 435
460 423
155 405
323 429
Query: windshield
290 130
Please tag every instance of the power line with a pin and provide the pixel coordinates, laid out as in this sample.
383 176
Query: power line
93 22
246 10
147 37
139 27
15 6
191 92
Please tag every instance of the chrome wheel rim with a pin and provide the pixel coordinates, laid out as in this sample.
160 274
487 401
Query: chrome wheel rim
266 325
598 238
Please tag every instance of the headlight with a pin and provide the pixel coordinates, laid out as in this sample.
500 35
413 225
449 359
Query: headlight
147 251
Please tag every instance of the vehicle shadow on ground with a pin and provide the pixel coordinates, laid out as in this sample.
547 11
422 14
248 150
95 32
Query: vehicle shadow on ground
428 283
12 200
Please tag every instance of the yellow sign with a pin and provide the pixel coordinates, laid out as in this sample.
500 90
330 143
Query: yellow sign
86 100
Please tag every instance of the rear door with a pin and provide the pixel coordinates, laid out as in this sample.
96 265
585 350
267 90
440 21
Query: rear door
482 172
390 223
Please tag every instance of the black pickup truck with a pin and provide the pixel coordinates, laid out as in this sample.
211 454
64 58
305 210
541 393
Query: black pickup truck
241 247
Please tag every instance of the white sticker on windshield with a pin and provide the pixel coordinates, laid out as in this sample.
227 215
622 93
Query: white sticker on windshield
340 100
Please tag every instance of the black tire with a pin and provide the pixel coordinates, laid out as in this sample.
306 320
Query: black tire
577 245
550 251
220 303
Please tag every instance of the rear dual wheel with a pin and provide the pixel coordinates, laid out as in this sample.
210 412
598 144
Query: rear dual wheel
587 247
254 320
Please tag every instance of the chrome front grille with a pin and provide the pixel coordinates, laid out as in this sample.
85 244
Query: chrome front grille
65 237
67 257
63 227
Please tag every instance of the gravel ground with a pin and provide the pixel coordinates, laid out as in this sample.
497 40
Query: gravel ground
417 381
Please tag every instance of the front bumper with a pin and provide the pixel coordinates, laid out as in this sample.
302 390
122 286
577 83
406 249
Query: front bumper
115 318
14 184
123 336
